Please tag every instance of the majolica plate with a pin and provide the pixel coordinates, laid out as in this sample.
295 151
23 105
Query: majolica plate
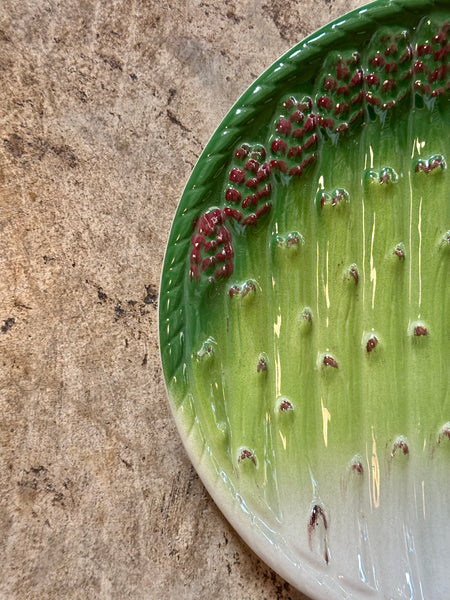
304 309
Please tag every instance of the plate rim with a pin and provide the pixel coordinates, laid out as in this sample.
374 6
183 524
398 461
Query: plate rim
217 150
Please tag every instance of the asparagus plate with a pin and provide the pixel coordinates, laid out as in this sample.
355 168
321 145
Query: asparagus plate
304 309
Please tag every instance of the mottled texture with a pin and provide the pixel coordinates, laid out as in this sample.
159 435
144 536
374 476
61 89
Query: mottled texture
104 108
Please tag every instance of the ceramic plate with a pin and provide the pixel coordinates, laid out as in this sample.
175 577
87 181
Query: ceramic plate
303 309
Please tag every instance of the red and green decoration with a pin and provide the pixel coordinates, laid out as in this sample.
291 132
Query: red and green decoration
350 92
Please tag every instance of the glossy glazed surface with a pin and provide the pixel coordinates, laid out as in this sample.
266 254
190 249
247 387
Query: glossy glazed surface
303 309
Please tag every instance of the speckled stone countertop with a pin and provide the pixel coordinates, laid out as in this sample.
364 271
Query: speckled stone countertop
104 108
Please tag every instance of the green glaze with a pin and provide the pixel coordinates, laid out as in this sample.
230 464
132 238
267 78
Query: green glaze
307 365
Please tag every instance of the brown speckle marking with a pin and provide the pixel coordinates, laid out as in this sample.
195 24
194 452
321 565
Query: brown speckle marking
354 273
248 287
207 350
293 240
262 365
329 361
317 515
431 164
445 432
247 455
420 330
286 405
234 291
306 315
357 467
372 343
242 290
400 445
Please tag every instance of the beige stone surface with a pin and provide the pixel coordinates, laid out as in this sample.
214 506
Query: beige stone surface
105 105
